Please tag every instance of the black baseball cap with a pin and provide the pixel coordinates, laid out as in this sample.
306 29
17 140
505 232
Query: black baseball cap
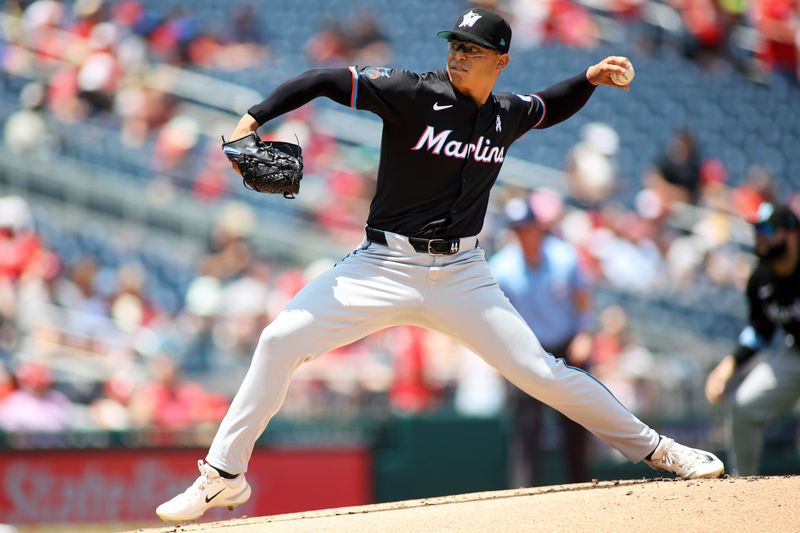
772 217
482 27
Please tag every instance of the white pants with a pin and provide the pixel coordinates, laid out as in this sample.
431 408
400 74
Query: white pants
770 389
378 286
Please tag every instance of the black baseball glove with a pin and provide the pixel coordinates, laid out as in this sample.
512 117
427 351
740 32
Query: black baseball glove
268 167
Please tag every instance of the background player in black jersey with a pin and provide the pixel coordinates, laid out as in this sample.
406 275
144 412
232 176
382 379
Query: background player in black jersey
445 137
772 386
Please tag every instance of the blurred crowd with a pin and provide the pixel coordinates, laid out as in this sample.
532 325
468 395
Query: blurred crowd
643 248
87 344
71 344
101 63
99 59
757 37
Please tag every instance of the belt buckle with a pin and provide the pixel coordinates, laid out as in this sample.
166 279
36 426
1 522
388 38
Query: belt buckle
455 244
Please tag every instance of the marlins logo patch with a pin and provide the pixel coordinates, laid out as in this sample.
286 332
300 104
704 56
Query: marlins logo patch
374 73
469 20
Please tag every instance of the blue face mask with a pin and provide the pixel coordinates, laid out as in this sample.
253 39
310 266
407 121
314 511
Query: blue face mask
766 229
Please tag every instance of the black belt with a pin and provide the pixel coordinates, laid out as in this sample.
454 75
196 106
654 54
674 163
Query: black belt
426 246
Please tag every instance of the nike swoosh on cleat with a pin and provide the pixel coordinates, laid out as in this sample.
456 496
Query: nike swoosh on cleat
214 496
437 107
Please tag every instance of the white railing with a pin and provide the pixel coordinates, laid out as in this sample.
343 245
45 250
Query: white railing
82 352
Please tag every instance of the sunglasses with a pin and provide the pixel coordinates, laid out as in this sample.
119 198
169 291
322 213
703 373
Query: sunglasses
468 49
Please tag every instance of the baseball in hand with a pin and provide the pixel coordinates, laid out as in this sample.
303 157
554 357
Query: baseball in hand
625 78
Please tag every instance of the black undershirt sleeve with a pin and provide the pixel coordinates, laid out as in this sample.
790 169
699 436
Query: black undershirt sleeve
564 99
335 83
761 327
742 354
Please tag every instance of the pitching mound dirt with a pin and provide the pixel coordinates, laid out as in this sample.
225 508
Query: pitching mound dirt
730 504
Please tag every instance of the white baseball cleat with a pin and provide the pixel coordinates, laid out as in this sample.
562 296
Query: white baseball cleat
208 490
684 462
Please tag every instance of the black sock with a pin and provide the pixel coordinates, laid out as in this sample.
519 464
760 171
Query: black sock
223 473
650 455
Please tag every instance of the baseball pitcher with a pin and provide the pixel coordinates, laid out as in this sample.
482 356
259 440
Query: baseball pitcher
445 137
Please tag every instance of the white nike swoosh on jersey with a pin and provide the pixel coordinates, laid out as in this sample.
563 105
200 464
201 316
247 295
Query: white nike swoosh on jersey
437 107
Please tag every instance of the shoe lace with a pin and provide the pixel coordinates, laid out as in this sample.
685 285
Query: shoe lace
674 453
204 480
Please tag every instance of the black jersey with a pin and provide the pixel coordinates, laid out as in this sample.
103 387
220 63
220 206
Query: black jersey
440 152
773 302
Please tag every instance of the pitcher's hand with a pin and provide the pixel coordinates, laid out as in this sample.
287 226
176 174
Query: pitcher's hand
600 74
718 379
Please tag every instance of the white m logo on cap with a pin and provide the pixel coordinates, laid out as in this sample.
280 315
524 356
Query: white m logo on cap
469 20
